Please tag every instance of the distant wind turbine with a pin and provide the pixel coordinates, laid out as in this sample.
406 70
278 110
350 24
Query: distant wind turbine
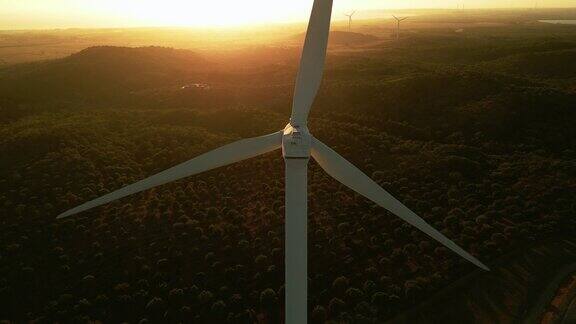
298 145
398 21
350 19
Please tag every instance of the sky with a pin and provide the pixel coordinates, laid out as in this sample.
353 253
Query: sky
33 14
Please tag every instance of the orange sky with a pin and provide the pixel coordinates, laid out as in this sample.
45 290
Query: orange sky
22 14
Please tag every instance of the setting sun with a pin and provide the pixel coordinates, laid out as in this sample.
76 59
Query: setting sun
25 14
207 13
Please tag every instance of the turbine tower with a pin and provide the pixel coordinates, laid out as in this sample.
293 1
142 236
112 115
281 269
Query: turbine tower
350 19
298 145
398 21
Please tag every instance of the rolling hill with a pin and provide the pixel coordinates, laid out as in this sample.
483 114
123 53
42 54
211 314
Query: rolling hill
100 71
338 38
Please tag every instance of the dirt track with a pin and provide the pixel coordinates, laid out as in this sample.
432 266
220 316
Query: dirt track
561 308
519 289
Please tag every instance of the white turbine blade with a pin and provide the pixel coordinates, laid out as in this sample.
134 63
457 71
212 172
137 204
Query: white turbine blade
296 286
222 156
343 171
312 61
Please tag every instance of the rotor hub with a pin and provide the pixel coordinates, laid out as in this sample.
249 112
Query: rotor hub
296 142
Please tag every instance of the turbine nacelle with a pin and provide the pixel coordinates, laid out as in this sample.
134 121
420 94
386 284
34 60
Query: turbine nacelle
296 142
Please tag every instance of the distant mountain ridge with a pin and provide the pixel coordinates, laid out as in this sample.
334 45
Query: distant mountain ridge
100 70
346 38
135 56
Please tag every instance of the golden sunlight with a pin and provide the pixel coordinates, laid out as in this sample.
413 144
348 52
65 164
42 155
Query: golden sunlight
22 14
205 13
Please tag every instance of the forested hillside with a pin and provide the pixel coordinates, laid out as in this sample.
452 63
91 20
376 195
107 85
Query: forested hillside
471 131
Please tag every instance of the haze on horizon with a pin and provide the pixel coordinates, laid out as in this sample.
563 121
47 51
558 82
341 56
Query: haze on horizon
35 14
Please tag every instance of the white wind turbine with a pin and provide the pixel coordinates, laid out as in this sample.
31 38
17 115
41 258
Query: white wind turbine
350 15
297 146
398 21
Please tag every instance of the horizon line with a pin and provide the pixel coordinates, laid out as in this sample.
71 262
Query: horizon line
262 24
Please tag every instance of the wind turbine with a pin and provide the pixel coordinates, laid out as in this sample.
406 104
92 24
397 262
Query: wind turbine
350 19
298 145
398 21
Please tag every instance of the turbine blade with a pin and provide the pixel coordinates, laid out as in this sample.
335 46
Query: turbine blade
346 173
222 156
312 61
296 228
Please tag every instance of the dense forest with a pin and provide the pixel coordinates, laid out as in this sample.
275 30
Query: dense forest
474 131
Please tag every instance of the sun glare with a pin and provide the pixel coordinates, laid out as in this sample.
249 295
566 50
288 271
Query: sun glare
22 14
248 12
206 13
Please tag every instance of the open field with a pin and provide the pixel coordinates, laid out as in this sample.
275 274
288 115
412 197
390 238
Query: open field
468 118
